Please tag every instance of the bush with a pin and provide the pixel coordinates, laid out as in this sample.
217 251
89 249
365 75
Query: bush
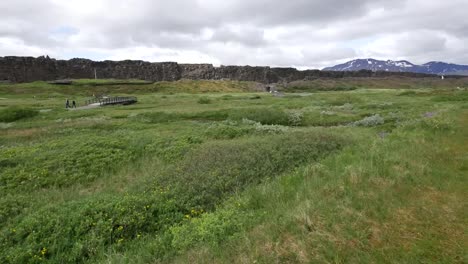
204 100
265 116
270 129
295 118
227 97
158 117
437 124
457 97
328 118
63 162
407 93
369 121
345 107
163 117
171 149
225 130
210 228
12 114
213 170
219 115
314 87
73 232
344 99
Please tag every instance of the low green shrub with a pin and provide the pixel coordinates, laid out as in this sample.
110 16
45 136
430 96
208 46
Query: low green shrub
384 105
12 114
12 205
215 169
328 118
172 149
270 129
218 115
73 232
210 228
344 99
407 93
204 100
301 88
437 124
344 107
266 116
78 230
226 130
295 118
62 162
227 97
164 117
456 97
158 117
370 121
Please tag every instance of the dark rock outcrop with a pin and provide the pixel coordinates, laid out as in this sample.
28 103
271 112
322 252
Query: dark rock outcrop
27 69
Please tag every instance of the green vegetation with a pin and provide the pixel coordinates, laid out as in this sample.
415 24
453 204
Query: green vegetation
12 114
98 82
212 171
204 100
350 84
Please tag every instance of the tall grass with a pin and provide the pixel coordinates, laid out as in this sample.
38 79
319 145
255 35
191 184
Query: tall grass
370 203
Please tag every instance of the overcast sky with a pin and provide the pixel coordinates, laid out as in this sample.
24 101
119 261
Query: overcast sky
297 33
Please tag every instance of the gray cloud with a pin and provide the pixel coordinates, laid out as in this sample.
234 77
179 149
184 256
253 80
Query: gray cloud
244 35
302 33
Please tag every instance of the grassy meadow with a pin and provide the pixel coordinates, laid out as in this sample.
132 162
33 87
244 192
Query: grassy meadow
348 171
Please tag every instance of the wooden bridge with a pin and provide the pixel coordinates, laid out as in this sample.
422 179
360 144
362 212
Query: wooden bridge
111 101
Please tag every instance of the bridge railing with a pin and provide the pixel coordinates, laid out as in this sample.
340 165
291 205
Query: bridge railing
112 100
93 101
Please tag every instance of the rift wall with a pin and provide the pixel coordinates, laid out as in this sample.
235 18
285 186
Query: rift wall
28 69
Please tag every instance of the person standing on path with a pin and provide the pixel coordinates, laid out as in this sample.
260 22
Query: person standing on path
67 104
73 104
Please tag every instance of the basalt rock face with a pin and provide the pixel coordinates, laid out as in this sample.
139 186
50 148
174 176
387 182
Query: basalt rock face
197 71
27 69
21 69
163 71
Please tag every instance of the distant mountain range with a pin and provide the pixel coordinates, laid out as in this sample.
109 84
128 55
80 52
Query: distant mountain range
433 67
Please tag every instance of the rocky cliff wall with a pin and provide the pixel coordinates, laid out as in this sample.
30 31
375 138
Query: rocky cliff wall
28 69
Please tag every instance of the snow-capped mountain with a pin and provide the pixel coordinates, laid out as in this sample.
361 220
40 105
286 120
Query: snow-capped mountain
437 67
432 67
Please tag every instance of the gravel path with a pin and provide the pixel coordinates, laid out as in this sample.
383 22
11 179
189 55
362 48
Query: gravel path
91 106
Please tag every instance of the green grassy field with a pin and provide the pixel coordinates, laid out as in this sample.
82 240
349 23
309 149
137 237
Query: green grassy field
215 172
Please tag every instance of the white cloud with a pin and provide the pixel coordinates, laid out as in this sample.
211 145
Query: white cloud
301 33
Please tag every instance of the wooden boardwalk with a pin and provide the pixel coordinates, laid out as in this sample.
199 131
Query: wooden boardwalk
112 101
97 102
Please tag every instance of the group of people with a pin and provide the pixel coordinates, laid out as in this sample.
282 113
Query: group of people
67 104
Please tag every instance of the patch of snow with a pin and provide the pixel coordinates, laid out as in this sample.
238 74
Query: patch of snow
403 64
